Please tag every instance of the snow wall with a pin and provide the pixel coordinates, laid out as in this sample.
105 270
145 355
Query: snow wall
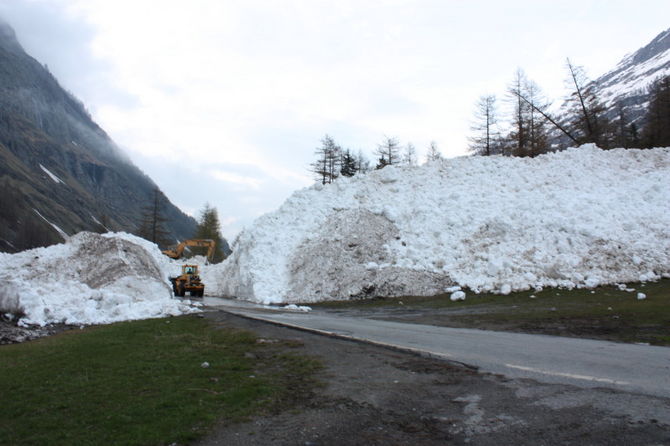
582 217
90 279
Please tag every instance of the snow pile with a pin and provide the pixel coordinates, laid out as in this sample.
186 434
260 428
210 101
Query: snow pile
90 279
577 218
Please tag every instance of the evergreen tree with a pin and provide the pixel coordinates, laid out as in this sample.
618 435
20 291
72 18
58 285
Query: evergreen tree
349 165
152 224
209 228
656 132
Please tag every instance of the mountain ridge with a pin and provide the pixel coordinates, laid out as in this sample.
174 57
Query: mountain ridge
58 168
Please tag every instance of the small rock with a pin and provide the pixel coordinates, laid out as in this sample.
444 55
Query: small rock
204 365
641 296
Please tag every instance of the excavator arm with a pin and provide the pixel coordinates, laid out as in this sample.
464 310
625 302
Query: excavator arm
178 251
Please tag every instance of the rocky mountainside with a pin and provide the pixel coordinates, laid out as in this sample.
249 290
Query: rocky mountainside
628 84
626 90
59 171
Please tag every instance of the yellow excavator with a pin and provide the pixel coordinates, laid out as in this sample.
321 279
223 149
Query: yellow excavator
189 279
178 251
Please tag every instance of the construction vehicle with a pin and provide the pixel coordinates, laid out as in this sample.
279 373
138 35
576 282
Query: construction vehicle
178 251
188 280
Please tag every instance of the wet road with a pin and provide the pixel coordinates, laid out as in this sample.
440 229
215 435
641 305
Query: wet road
583 362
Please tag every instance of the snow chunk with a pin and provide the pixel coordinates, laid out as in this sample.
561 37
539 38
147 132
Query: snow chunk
641 296
457 295
294 307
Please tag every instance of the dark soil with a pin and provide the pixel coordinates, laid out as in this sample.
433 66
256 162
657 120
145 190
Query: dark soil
11 333
370 395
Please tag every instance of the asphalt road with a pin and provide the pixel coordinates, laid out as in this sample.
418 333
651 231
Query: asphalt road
552 359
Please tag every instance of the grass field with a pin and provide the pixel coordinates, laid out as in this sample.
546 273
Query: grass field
602 313
141 383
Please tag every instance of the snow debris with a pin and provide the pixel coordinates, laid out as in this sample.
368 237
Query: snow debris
641 296
204 365
457 295
583 217
294 307
90 279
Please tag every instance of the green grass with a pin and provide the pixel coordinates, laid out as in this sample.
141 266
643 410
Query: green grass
140 383
605 313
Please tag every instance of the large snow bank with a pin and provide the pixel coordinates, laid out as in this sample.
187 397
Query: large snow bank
576 218
90 279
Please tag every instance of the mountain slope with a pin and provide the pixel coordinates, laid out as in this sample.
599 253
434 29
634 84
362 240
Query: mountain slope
629 82
624 90
59 171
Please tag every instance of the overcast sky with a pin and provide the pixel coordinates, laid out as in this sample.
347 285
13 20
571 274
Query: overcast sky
225 101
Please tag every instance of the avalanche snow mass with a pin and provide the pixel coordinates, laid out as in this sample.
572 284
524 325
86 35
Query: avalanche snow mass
90 279
582 217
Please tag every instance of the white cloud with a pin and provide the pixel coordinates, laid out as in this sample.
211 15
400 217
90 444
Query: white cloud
229 177
247 89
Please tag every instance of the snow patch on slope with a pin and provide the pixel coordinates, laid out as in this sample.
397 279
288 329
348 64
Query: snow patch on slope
577 218
90 279
51 175
53 225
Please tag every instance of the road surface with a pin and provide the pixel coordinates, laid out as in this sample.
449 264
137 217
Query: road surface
583 362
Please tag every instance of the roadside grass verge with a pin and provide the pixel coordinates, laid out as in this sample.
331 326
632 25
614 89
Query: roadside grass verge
142 383
602 313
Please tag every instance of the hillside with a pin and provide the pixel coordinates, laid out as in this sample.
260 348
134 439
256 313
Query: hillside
625 89
577 218
59 171
628 83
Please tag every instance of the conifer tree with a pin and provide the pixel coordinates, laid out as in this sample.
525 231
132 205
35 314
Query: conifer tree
409 155
388 152
433 153
348 163
209 228
152 224
656 132
484 140
327 166
589 124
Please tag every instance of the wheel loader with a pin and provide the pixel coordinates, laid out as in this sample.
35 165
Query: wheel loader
188 280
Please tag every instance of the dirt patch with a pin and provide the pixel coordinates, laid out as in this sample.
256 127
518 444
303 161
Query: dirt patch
370 395
11 333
